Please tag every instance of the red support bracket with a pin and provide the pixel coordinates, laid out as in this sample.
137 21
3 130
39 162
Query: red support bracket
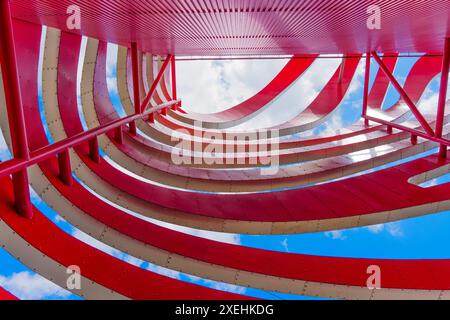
118 135
65 169
14 106
132 128
93 150
413 139
443 97
155 83
404 95
414 132
389 129
37 156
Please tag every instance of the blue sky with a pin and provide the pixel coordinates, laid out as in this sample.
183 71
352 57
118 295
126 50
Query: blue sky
231 82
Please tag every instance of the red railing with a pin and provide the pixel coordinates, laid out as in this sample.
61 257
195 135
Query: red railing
18 164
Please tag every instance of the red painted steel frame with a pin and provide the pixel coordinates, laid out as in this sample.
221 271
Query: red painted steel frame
174 79
404 95
15 109
174 83
65 171
155 83
118 135
136 93
93 150
15 165
413 132
366 87
443 97
250 27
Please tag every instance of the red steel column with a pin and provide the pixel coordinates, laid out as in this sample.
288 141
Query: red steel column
174 81
366 87
65 169
93 150
341 70
136 94
118 135
14 106
443 97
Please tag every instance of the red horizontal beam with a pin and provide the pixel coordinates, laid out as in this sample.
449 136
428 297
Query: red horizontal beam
15 165
410 130
299 57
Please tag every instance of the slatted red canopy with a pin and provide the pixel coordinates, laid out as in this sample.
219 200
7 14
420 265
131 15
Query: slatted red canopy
237 27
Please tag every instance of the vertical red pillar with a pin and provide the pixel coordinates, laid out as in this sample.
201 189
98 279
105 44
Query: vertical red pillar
341 70
93 150
136 93
174 81
135 74
118 135
443 97
366 87
14 106
65 169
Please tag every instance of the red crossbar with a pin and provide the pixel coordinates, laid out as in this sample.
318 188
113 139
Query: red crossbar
404 95
156 82
15 165
414 132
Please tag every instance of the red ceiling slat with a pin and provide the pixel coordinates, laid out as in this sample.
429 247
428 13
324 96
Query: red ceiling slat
228 27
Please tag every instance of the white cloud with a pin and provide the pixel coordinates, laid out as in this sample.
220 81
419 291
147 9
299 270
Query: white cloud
111 83
336 235
27 286
111 61
376 229
335 122
395 229
213 86
297 97
285 244
429 100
